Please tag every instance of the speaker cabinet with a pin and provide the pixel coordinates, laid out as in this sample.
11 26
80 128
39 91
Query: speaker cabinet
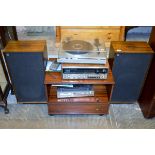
130 67
26 61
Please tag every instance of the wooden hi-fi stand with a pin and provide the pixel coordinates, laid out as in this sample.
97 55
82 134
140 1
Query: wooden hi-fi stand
98 104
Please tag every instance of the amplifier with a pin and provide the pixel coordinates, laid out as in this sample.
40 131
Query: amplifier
85 71
75 91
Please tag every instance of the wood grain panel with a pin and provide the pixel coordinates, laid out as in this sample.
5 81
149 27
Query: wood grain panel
104 33
131 47
77 109
91 34
91 27
26 46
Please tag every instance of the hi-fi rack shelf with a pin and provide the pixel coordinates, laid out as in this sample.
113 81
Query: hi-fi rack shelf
98 104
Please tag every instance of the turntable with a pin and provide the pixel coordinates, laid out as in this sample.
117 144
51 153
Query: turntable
81 51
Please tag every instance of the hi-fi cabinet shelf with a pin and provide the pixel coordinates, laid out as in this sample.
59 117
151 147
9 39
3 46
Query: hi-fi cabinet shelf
97 104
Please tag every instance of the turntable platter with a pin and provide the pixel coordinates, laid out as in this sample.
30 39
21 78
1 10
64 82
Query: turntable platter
77 47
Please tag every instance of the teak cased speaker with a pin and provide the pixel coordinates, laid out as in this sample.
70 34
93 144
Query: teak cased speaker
26 62
130 67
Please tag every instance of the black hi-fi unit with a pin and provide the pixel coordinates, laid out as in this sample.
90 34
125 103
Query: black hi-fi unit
130 67
26 62
85 71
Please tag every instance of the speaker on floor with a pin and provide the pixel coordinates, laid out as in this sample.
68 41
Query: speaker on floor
130 67
26 61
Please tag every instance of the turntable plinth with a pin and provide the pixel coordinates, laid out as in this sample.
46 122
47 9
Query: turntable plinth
98 104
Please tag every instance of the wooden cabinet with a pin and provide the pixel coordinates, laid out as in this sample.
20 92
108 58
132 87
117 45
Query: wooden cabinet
103 33
98 104
147 97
